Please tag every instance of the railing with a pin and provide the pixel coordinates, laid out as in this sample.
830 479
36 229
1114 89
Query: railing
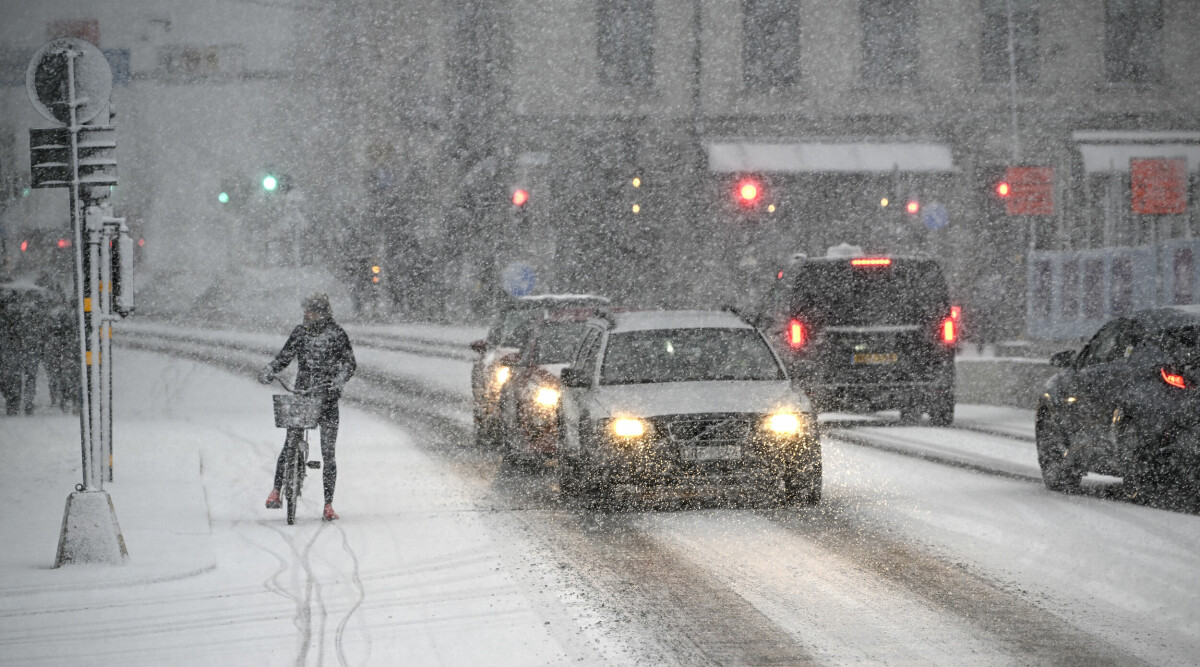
1071 293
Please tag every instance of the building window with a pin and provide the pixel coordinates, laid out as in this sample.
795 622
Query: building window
190 63
1133 41
890 52
994 46
625 42
770 44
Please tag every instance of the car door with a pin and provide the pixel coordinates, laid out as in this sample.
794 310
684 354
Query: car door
572 411
1098 381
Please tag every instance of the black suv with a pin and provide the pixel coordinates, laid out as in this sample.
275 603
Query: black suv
866 333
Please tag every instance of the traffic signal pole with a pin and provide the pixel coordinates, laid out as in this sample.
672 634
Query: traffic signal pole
90 532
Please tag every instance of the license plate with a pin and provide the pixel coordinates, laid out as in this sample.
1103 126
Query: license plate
712 453
876 358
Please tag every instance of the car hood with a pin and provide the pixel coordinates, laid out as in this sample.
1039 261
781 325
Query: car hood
674 398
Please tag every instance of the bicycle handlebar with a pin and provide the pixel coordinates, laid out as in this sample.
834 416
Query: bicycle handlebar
312 391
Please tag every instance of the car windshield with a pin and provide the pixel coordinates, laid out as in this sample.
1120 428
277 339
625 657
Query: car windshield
688 355
557 341
511 329
1183 344
838 294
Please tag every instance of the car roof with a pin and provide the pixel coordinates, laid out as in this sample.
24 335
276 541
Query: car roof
646 320
1168 317
553 300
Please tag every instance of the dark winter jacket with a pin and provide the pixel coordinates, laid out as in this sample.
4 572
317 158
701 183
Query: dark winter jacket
324 358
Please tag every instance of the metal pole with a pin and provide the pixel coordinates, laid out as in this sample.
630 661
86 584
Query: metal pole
1012 86
85 427
94 348
106 297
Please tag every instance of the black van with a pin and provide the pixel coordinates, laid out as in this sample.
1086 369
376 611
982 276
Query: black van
863 333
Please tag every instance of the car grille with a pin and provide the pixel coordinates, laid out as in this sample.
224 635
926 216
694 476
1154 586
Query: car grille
708 429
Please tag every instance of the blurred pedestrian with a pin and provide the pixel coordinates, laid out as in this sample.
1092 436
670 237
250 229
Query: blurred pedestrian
10 337
61 355
22 330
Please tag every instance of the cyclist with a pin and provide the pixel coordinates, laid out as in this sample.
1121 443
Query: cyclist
325 362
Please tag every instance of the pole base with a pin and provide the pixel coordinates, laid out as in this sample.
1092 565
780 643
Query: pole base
90 533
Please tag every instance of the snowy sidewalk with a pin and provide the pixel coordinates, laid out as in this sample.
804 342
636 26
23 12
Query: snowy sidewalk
410 575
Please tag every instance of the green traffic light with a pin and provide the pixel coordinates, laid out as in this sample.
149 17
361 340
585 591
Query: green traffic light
223 197
269 183
25 191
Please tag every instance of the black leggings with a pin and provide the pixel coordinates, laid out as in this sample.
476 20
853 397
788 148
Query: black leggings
328 422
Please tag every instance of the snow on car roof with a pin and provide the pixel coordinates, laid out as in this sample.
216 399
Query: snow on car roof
543 299
644 320
1168 317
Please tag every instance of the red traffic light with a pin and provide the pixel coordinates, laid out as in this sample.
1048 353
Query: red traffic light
1003 189
64 243
24 246
748 191
913 206
519 197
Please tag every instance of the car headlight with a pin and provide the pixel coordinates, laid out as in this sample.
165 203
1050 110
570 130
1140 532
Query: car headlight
547 397
784 423
628 427
501 376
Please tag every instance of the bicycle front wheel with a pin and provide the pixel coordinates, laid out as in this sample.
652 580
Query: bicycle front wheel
293 478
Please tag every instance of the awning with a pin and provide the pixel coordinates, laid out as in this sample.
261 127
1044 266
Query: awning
1110 151
853 157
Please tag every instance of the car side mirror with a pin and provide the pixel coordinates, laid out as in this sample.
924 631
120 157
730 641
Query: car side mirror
574 378
1063 359
479 346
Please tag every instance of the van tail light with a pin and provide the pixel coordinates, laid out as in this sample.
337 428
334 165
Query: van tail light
1174 379
797 335
949 331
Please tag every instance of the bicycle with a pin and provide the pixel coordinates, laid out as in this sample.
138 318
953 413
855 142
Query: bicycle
296 410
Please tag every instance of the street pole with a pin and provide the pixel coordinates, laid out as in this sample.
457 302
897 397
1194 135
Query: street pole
1012 85
85 409
69 82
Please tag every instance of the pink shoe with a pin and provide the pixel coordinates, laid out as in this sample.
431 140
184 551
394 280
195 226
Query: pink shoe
329 514
273 500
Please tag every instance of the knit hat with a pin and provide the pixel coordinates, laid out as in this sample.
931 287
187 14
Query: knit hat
318 303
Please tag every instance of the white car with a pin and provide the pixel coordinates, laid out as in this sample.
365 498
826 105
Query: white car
693 399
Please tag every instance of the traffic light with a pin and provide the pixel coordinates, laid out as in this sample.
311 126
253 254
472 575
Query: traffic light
520 197
913 207
636 184
270 182
223 197
748 192
376 274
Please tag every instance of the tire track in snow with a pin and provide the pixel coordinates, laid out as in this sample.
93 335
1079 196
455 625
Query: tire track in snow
362 596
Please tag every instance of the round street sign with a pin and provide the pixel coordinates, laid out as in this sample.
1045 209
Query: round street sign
46 80
935 216
518 279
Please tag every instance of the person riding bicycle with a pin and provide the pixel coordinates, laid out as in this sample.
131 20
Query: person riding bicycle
325 362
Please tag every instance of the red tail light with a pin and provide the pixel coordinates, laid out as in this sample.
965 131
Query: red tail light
796 336
871 261
1174 380
949 331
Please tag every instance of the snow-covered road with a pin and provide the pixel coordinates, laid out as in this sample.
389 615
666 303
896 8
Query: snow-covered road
933 546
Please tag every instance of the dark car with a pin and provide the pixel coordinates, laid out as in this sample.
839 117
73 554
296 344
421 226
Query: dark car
529 399
688 399
1127 405
488 374
863 333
